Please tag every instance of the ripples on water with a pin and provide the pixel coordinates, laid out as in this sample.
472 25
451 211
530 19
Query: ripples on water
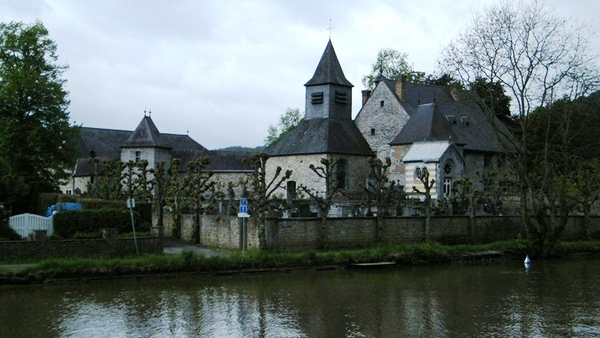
553 298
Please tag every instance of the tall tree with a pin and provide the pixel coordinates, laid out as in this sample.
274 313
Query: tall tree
538 58
35 133
391 64
287 121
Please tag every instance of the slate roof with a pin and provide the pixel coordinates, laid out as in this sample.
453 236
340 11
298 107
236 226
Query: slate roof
329 70
107 144
319 136
469 123
426 124
146 135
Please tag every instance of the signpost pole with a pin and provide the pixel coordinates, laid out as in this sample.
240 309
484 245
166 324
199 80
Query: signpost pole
243 214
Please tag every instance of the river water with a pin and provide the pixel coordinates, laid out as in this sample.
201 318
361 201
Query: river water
555 298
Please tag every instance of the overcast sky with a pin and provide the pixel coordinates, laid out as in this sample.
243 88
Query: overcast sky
224 70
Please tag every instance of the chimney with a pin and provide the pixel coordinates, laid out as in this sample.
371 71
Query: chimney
400 88
366 94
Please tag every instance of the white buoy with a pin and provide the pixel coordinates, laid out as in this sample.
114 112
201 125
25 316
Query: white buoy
527 262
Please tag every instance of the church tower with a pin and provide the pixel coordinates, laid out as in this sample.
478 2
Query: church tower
328 92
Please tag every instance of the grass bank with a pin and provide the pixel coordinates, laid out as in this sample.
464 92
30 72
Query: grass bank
188 262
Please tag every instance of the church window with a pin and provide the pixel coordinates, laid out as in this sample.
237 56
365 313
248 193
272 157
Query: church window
372 131
316 98
448 168
448 187
341 172
138 156
381 103
341 97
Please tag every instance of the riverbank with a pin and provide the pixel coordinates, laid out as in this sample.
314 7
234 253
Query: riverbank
190 263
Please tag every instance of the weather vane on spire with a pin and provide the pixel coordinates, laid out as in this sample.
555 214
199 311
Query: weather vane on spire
330 28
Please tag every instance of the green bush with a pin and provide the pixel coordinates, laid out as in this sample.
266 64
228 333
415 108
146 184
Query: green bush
68 223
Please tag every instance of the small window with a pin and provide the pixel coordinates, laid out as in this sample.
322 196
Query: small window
381 103
69 192
372 131
138 156
448 187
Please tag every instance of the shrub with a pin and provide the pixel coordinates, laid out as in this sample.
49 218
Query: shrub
68 223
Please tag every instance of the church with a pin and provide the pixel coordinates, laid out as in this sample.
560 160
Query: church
442 129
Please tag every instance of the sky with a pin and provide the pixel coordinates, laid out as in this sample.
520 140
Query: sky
223 71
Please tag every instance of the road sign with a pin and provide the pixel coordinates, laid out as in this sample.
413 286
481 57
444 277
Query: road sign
243 211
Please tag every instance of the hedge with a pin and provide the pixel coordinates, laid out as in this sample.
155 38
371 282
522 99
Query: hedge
68 223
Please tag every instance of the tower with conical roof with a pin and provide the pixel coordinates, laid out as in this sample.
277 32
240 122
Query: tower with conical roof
328 92
146 143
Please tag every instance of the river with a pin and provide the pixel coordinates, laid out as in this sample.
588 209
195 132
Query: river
552 298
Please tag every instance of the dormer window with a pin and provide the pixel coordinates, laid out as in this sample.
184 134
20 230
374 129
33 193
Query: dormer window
316 98
341 97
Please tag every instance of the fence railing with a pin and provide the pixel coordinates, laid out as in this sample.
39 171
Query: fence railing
25 224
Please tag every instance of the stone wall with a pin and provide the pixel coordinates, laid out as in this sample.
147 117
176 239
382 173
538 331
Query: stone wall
304 233
215 231
110 245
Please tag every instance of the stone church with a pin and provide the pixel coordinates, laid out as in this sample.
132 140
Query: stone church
442 129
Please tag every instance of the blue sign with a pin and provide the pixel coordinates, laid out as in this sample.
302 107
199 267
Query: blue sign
243 209
244 202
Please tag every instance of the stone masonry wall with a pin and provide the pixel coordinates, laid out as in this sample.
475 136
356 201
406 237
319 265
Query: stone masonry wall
42 248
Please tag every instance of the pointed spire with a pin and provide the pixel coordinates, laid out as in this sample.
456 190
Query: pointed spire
329 70
145 135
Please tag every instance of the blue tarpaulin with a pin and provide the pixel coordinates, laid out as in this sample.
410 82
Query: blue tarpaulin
62 207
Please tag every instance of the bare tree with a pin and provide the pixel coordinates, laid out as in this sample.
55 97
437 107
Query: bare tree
428 184
262 191
198 186
538 58
381 190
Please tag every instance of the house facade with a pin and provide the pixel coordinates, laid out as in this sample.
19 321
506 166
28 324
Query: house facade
146 142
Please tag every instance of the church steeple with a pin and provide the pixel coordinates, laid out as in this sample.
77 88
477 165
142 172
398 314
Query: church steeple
328 92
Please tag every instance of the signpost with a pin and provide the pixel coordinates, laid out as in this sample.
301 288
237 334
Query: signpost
243 215
131 205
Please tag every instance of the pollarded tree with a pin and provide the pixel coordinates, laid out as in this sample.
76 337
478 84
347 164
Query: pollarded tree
262 190
381 190
174 196
35 133
198 186
428 184
329 172
538 58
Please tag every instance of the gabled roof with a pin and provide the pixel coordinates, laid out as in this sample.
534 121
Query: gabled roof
469 121
321 136
427 151
426 124
329 70
145 135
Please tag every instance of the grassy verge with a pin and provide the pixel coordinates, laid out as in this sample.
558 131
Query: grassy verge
188 262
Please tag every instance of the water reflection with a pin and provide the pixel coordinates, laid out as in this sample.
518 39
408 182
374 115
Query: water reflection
555 298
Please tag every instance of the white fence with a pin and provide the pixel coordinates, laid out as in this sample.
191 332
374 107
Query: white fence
25 224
